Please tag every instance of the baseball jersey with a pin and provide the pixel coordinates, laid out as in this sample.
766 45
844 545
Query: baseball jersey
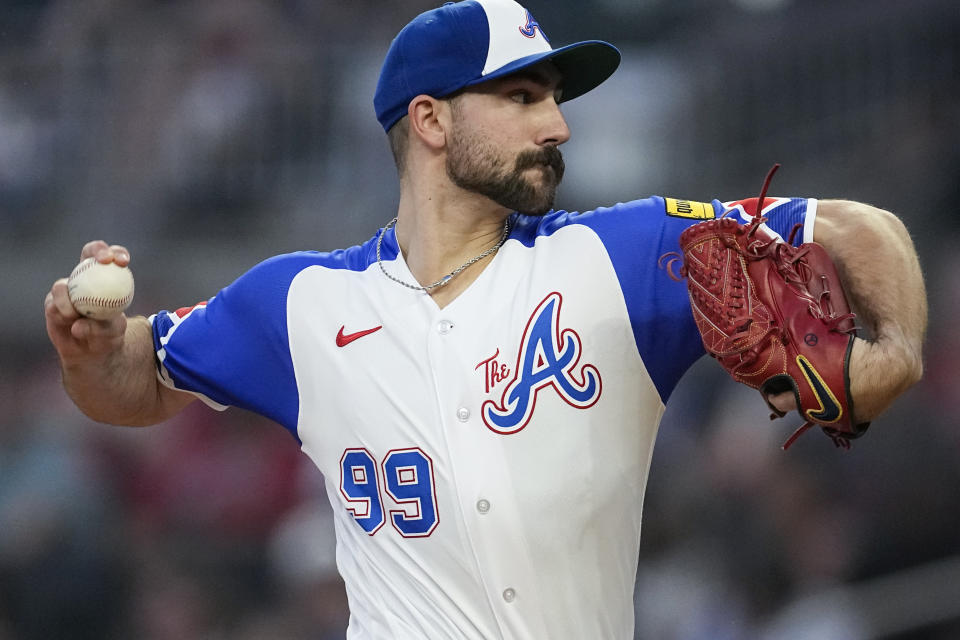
486 461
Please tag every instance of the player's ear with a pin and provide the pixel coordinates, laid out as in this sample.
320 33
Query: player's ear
429 119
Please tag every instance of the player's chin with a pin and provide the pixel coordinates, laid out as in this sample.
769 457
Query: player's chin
537 206
547 193
531 192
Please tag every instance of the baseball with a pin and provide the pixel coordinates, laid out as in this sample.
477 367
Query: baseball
100 290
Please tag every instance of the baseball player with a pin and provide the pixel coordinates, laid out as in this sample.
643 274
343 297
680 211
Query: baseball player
481 381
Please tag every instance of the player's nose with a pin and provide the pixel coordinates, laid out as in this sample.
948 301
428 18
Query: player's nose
554 130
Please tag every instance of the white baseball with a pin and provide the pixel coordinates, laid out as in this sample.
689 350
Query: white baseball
100 290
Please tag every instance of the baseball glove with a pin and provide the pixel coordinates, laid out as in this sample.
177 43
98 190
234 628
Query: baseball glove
775 316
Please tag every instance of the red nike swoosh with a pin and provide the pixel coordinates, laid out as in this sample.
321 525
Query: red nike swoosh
345 339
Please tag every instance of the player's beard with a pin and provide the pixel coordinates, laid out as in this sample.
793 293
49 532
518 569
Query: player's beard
476 165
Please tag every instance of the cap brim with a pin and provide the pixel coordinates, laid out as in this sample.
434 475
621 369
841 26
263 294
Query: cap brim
583 66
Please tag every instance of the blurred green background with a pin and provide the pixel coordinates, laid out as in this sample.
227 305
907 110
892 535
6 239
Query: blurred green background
209 135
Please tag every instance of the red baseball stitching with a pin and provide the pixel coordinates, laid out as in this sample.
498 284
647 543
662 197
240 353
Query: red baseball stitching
103 302
109 303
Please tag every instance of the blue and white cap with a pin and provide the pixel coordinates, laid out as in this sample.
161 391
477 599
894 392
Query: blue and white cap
465 43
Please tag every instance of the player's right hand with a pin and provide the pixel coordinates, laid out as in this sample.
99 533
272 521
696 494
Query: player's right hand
75 337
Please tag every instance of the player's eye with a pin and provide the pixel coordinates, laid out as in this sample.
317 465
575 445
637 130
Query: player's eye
521 96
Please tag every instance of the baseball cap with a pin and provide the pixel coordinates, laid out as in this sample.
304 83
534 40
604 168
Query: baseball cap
465 43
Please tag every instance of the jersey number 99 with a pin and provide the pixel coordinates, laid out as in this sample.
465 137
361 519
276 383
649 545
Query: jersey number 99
407 480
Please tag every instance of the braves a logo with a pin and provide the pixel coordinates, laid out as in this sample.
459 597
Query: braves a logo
548 357
529 30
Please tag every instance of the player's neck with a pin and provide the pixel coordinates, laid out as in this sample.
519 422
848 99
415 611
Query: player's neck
440 232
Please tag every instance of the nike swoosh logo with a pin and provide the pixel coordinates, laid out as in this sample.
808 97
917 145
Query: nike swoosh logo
345 339
830 410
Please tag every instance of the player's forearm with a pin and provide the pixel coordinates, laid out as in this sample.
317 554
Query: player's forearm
120 387
883 280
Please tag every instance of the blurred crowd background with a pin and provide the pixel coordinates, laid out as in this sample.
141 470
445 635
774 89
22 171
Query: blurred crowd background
207 135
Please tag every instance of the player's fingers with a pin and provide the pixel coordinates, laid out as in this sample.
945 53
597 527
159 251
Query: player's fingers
100 335
80 328
784 402
121 255
105 253
92 329
60 320
53 316
94 249
58 305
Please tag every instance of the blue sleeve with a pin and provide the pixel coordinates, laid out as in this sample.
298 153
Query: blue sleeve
636 234
234 349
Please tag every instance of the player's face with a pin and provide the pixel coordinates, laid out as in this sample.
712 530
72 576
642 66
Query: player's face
505 137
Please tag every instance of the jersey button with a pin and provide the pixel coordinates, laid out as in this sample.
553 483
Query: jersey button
483 505
444 327
509 595
463 414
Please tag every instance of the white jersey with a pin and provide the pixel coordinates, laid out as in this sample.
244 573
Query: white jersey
486 461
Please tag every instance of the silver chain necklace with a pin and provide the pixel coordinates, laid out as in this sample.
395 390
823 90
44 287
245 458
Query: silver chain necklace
447 278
